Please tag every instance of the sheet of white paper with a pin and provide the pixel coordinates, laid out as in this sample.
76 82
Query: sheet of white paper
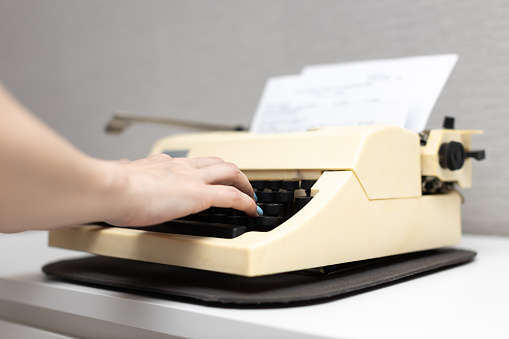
294 103
425 75
400 92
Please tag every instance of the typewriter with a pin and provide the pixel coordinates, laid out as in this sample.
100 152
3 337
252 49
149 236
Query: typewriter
330 195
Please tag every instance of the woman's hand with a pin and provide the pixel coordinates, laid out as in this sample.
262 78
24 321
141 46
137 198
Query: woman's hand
46 183
160 188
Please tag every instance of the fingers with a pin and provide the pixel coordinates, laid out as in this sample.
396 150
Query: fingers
232 187
216 171
230 197
196 162
228 174
212 170
206 161
122 161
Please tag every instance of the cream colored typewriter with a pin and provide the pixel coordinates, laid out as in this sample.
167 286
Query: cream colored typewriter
329 195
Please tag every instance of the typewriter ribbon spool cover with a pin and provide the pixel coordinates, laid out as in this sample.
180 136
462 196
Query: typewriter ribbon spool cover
369 197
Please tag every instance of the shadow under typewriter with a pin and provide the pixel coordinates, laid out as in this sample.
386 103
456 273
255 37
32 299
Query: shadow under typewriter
278 290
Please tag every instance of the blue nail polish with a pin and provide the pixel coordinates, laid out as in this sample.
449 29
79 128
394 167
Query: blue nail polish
256 198
259 211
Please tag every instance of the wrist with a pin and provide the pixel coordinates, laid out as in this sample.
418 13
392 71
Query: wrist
110 195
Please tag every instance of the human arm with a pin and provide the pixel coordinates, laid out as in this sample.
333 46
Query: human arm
46 183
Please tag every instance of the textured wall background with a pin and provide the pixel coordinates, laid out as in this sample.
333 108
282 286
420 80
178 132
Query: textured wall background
75 62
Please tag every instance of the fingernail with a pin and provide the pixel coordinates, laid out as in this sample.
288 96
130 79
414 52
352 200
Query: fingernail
259 211
256 198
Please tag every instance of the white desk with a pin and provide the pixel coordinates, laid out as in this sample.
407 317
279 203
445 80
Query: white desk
469 301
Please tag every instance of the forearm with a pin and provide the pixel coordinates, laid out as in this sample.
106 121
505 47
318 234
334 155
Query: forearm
45 182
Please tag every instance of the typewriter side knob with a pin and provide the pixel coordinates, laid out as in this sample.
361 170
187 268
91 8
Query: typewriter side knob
445 154
451 155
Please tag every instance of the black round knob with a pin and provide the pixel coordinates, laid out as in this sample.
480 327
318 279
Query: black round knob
451 155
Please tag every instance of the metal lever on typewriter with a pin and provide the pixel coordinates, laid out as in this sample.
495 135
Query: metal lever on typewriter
121 121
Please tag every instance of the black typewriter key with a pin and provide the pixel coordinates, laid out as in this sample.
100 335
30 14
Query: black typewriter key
301 202
197 228
274 209
226 211
219 218
290 185
251 223
269 221
202 217
265 224
275 185
233 211
284 196
260 184
192 217
220 210
211 210
306 185
236 220
266 196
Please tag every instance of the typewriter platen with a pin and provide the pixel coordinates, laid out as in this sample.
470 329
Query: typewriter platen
330 195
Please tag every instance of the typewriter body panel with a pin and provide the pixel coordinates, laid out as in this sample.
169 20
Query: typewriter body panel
367 201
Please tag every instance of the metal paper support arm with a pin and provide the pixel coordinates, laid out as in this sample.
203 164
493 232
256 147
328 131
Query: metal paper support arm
121 121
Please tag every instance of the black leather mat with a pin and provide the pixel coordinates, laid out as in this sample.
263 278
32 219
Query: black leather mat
279 290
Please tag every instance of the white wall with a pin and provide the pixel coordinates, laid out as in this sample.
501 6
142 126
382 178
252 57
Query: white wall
75 62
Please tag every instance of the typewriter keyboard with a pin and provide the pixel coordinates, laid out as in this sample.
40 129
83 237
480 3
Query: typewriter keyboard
279 200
